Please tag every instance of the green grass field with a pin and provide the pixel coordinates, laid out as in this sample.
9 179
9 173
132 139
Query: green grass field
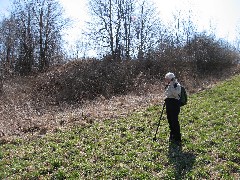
124 149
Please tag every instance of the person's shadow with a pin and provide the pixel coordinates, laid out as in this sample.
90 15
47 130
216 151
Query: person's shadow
181 161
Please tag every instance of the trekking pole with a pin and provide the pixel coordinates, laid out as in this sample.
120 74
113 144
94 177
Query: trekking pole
155 137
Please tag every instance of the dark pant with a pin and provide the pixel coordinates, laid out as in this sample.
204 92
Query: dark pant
173 110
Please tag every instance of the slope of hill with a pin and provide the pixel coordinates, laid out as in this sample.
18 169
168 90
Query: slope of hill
123 148
41 103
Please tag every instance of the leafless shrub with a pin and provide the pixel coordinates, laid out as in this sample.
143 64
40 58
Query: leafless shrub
83 91
211 56
81 80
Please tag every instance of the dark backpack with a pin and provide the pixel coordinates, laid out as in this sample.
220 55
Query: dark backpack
183 96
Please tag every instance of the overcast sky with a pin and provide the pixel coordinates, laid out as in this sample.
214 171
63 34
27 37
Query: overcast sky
224 15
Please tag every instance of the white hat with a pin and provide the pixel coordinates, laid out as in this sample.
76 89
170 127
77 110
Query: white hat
169 76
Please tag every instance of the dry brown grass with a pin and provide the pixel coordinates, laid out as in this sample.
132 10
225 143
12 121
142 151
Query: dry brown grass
21 114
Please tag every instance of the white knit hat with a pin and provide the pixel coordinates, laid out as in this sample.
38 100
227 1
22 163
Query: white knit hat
169 76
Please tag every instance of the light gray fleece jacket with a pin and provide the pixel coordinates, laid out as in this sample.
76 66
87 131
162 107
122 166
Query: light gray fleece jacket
173 90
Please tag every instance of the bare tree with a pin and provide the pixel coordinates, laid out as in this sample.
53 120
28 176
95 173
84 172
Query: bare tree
128 10
189 27
33 35
48 16
25 38
7 44
148 28
102 25
117 24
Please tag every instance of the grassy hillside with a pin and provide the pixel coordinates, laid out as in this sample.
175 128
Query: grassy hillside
123 148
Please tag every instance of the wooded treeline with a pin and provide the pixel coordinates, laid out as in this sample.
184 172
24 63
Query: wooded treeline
31 38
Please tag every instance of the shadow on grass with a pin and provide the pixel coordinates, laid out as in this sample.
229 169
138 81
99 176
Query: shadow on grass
181 161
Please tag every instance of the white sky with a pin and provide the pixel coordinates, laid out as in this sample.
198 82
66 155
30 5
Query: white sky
221 14
4 6
224 15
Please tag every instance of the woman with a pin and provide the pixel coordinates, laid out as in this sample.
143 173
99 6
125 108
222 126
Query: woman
172 92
